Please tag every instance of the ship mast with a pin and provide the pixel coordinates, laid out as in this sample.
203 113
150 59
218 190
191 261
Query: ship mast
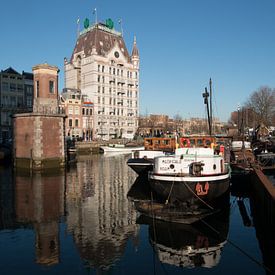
209 108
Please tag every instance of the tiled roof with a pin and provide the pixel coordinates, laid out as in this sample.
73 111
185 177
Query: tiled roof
103 42
135 49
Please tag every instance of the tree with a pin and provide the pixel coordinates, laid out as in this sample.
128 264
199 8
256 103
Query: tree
262 102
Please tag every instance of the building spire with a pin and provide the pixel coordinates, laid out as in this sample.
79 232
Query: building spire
135 49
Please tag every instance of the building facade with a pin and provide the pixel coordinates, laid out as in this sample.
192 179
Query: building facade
79 113
16 96
108 76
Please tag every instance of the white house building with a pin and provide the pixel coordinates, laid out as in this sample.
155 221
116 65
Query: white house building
103 70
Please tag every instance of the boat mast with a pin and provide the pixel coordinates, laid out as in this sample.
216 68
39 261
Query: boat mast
205 96
211 116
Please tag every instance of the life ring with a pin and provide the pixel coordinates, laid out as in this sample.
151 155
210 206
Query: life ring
185 143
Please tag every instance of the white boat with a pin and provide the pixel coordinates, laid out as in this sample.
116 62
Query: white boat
142 161
120 148
191 175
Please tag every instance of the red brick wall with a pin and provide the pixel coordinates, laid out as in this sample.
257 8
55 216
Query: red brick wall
51 137
23 136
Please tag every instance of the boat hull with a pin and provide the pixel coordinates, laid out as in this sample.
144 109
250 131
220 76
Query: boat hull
121 150
141 166
189 189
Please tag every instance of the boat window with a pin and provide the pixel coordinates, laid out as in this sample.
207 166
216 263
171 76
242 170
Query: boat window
199 142
185 143
192 142
207 142
166 142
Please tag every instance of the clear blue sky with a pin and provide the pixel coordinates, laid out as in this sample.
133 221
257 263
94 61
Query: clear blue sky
182 44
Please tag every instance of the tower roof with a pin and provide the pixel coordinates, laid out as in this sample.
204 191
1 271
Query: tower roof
100 38
135 49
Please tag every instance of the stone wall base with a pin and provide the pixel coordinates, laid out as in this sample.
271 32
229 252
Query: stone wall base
38 165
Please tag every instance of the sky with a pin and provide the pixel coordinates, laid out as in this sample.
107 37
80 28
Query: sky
182 43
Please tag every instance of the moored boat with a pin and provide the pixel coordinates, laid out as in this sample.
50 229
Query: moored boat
142 160
192 175
120 148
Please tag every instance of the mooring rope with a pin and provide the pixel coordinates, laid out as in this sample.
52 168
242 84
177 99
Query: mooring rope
198 196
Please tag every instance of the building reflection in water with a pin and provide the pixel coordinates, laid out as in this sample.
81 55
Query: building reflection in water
39 201
99 216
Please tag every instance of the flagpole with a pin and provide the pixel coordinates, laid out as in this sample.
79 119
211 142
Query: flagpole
120 22
78 27
95 13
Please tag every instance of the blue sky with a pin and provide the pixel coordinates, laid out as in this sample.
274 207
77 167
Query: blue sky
182 44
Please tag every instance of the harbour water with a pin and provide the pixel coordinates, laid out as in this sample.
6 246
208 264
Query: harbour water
80 221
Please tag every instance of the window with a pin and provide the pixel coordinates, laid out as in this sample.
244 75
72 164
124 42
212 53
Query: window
76 110
76 123
5 86
12 87
91 112
19 87
51 86
29 101
70 122
83 111
103 69
87 112
70 110
37 88
98 68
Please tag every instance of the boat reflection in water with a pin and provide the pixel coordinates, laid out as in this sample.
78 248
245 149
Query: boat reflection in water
185 243
196 245
39 204
99 216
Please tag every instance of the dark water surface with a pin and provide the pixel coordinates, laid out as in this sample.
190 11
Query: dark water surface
81 222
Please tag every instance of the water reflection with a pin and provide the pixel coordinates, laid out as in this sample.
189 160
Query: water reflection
184 245
99 216
196 245
262 207
39 201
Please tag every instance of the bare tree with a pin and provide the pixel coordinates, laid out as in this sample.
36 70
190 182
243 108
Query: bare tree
262 102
